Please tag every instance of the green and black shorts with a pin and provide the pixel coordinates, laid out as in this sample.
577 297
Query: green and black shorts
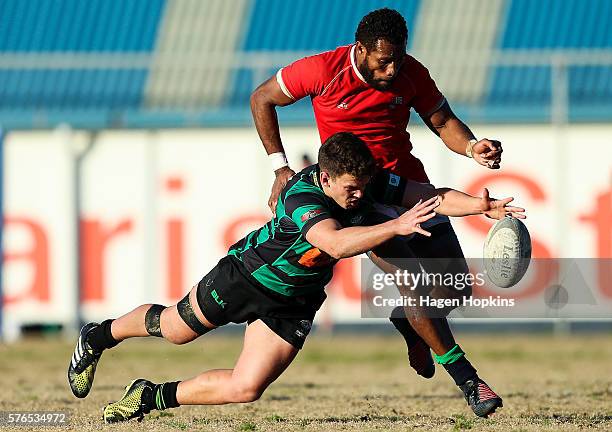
228 293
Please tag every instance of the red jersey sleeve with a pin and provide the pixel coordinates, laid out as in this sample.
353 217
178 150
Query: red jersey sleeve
305 77
428 98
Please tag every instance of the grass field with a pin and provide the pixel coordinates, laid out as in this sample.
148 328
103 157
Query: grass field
352 383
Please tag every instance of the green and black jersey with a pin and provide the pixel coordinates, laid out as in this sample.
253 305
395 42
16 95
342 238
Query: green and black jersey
278 255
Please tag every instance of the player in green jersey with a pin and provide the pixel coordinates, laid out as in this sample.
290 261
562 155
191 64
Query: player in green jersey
273 279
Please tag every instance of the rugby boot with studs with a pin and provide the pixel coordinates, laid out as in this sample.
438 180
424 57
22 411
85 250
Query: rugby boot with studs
83 363
480 397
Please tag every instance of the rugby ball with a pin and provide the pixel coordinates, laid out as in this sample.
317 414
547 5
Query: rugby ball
507 252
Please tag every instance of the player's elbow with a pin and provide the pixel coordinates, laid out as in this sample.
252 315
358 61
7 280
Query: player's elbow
255 99
335 253
260 98
330 247
327 239
336 250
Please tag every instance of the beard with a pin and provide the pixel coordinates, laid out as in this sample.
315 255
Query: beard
368 77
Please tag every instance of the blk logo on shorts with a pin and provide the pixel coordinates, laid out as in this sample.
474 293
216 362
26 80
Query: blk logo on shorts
220 302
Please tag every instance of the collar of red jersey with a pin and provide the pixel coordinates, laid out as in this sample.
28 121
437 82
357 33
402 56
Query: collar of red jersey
352 55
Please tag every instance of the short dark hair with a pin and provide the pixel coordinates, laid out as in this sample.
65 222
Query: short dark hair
385 23
345 153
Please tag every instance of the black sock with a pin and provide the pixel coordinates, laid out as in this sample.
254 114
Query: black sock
461 370
164 395
101 337
401 323
457 366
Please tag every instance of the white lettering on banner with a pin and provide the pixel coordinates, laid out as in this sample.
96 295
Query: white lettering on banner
151 230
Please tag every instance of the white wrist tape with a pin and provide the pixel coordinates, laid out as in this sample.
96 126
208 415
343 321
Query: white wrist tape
468 148
278 160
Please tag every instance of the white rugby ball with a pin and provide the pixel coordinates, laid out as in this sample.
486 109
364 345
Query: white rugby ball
507 252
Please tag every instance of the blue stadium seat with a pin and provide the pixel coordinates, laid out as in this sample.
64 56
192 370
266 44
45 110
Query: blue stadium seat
313 25
79 26
72 28
556 25
47 31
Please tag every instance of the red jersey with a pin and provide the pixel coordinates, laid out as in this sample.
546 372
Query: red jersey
343 102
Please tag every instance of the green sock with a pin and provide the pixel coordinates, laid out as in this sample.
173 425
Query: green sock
451 356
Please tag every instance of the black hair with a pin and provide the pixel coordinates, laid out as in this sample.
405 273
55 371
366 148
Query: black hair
385 23
345 153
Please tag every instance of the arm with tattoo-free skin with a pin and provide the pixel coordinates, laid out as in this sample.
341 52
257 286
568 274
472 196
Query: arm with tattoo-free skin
264 101
329 236
456 135
456 203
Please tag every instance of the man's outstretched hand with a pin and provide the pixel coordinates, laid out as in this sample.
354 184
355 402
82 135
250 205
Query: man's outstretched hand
282 177
498 209
410 222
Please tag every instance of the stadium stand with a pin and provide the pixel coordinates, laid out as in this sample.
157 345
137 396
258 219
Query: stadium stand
561 27
134 63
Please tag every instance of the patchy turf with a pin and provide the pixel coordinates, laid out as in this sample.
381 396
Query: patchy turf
339 383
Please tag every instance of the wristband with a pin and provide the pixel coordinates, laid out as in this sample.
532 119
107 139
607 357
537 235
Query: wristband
468 148
278 160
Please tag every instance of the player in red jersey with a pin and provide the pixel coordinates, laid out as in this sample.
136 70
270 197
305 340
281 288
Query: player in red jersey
368 88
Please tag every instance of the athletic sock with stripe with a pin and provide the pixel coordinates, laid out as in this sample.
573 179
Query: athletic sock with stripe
164 396
457 366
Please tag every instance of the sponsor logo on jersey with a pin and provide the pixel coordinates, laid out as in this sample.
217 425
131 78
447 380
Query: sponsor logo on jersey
394 180
342 105
310 214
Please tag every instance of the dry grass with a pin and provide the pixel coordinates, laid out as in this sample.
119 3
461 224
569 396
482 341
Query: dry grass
352 383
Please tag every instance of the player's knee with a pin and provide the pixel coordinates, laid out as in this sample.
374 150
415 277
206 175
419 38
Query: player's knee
177 337
174 329
246 391
160 322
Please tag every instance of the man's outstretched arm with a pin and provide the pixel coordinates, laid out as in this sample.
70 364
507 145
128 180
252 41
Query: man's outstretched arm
264 101
329 236
458 137
456 203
